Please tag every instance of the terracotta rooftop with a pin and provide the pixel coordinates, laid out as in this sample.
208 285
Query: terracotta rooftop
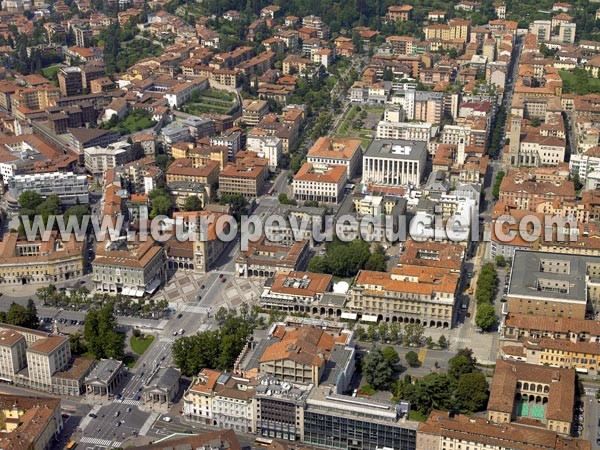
561 396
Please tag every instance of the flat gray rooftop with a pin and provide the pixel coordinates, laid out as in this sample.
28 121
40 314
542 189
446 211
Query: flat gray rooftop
555 276
397 149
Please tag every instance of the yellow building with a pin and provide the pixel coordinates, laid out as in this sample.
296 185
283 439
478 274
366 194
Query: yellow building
24 262
29 422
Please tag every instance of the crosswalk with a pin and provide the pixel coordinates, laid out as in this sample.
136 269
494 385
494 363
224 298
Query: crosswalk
100 442
128 401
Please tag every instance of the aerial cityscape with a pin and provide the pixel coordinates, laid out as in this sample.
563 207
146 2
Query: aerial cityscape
303 224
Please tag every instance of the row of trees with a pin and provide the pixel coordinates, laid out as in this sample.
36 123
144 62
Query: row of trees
411 334
484 294
215 349
346 259
497 183
462 388
80 298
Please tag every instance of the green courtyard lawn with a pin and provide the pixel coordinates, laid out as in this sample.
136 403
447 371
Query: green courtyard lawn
140 344
211 101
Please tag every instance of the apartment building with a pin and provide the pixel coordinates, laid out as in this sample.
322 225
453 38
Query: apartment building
406 131
130 268
265 259
98 159
401 13
45 357
337 152
523 326
253 111
12 355
269 147
520 188
70 187
444 430
41 361
320 182
40 261
184 169
583 357
394 162
296 291
198 399
553 284
70 81
407 294
246 177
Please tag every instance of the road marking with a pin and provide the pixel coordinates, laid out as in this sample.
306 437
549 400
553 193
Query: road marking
148 424
128 402
108 443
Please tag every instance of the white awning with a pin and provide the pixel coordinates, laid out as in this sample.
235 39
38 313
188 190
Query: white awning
126 291
139 293
368 318
153 286
347 315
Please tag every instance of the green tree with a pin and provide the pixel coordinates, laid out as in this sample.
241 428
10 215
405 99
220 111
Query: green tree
192 203
383 331
460 365
78 211
32 314
413 333
371 332
390 355
377 370
395 332
471 392
412 359
485 316
237 202
160 202
18 315
429 342
76 343
30 200
500 261
442 341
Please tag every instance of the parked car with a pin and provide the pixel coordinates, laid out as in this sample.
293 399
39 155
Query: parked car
92 415
166 419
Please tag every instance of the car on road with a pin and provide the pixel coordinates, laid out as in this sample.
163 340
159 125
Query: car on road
223 280
179 316
181 332
137 397
118 413
166 419
174 333
128 409
118 424
118 396
65 416
202 287
220 275
92 415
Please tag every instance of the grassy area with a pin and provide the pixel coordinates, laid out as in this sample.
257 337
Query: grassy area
50 72
579 82
417 415
140 344
129 361
367 391
211 101
136 120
